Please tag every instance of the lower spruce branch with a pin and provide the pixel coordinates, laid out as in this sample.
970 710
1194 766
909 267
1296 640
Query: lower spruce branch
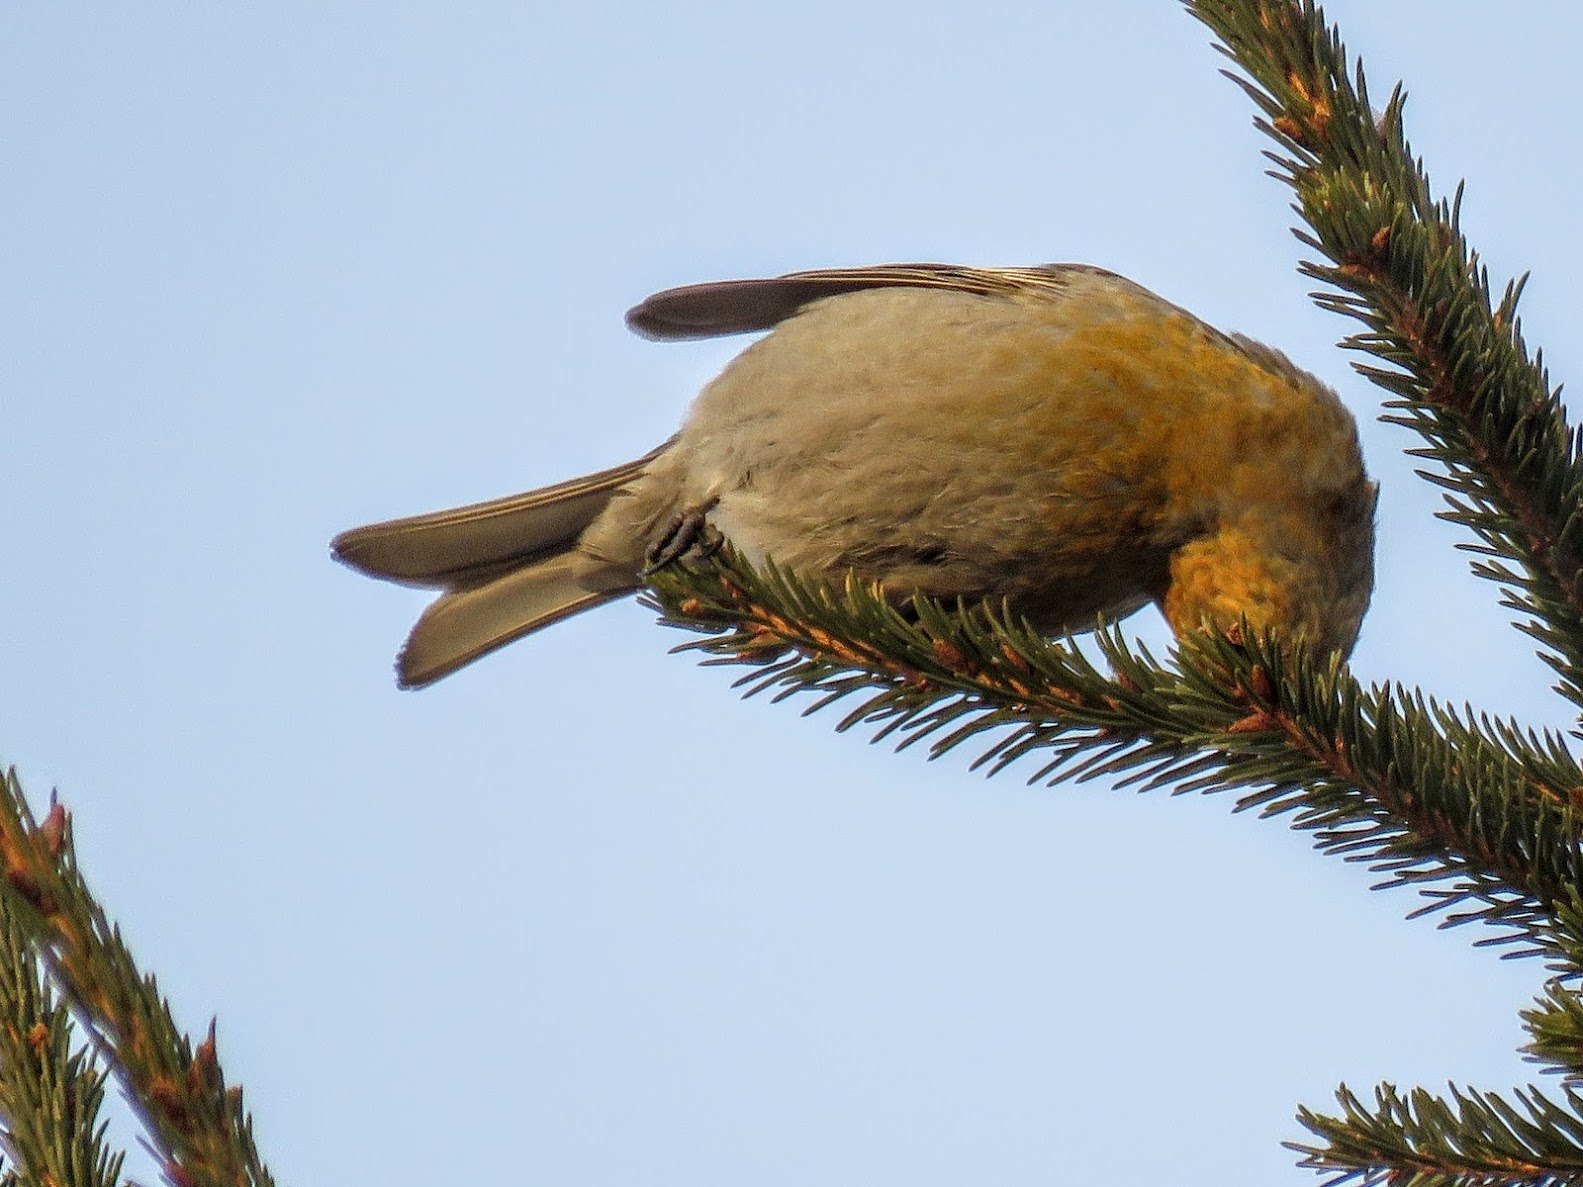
1379 776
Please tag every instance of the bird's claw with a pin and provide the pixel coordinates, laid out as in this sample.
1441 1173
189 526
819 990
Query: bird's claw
688 534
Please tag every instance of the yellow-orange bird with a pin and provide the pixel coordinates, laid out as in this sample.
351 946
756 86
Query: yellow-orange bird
1057 436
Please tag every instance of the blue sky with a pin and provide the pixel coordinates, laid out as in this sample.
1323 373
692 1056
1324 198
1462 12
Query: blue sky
579 915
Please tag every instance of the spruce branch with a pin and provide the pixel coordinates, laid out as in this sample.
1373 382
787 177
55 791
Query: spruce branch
1479 816
197 1126
1456 366
50 1095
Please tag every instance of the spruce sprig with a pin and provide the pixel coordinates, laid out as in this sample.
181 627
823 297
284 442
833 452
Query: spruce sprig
196 1125
1465 1139
50 1093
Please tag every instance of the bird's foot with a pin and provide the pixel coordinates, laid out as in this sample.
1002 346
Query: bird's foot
688 534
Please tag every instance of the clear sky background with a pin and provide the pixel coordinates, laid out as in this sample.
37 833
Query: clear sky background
579 915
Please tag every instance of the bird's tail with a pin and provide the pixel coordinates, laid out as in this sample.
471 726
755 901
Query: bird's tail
505 568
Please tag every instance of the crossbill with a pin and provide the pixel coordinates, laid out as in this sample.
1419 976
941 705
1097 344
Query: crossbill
1056 438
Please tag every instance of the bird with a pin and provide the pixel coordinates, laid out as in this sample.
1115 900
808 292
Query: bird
1056 440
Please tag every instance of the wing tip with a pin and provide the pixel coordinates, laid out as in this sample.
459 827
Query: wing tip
643 321
687 313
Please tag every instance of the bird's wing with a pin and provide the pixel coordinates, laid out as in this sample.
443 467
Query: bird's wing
747 306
